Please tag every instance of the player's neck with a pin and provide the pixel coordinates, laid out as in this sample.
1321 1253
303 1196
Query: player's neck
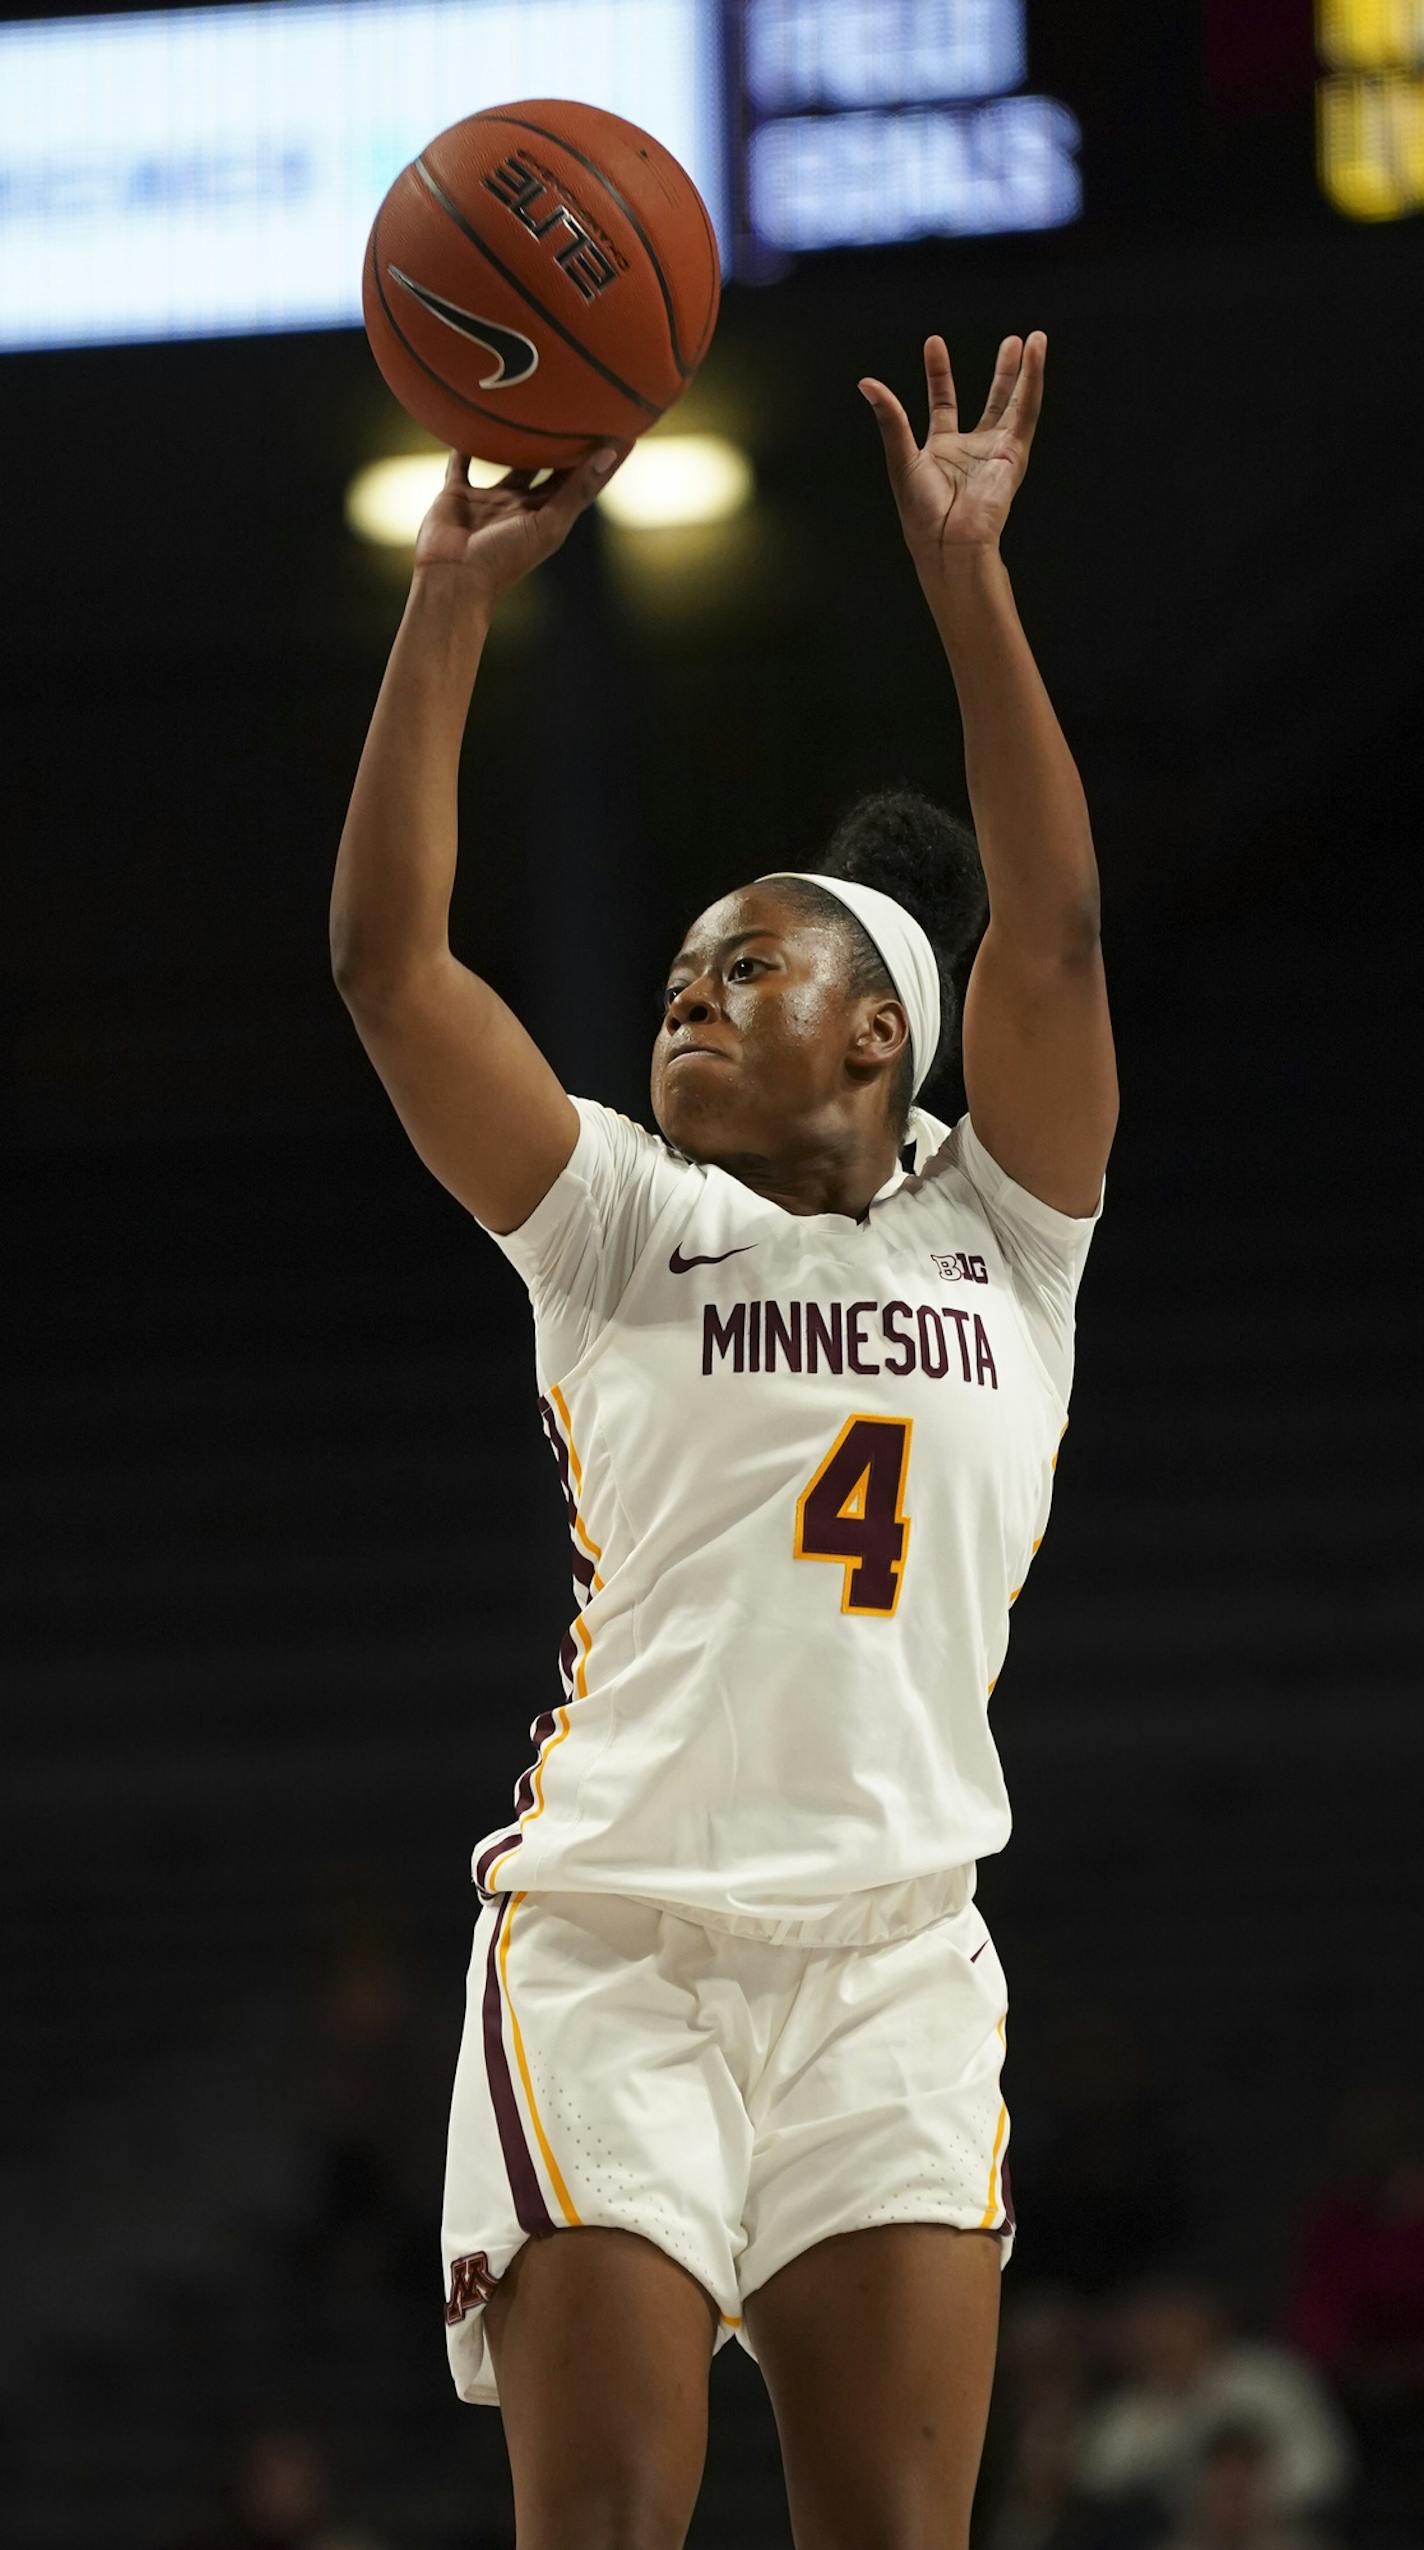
824 1180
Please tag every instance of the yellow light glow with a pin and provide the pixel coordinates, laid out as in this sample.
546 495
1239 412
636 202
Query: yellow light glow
1371 146
681 480
387 502
668 480
1370 35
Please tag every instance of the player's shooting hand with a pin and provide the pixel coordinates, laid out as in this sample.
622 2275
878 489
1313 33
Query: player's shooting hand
491 536
953 494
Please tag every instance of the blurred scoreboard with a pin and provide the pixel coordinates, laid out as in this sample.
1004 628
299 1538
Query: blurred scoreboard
860 123
1371 106
210 171
1329 88
215 171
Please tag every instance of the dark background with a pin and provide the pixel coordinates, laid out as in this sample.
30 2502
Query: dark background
283 1555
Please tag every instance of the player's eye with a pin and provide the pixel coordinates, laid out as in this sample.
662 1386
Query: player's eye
670 991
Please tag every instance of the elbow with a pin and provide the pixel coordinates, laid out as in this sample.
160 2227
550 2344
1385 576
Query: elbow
353 969
342 952
1051 934
359 987
353 987
368 985
1082 925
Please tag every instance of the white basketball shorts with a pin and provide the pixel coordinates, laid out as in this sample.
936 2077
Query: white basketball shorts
732 2101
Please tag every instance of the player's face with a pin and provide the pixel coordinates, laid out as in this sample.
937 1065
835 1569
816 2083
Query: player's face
757 1031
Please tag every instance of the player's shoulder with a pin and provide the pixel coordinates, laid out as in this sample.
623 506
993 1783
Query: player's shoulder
938 1159
957 1160
609 1137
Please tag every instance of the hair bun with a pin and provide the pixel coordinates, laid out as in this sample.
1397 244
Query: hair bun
900 841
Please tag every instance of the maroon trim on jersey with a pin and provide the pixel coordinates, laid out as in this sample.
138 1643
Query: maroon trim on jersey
583 1564
487 1859
545 1724
542 1728
524 2186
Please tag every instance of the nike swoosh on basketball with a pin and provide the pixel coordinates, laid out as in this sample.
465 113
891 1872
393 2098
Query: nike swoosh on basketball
517 355
680 1265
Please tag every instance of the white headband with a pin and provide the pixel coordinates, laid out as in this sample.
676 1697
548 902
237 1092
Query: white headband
909 957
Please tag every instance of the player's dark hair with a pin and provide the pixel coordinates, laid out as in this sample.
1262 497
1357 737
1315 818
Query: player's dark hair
900 841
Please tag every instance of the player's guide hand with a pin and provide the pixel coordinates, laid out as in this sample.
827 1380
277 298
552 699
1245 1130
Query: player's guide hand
953 494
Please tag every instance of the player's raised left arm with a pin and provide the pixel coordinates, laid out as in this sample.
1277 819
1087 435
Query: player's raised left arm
1039 1068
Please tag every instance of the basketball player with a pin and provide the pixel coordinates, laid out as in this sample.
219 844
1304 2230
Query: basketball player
736 2024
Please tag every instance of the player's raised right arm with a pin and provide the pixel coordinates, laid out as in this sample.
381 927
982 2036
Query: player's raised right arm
481 1105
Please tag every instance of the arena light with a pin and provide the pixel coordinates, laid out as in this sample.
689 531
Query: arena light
678 481
387 501
671 481
1370 107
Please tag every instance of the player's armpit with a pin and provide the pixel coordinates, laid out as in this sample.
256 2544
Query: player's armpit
1040 1072
485 1111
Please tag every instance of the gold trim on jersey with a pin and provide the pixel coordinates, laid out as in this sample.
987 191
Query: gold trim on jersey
1033 1553
995 2204
583 1640
559 1402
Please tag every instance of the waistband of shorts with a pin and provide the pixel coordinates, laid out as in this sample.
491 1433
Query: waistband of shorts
877 1915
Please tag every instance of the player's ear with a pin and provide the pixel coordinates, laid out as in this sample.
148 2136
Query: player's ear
879 1032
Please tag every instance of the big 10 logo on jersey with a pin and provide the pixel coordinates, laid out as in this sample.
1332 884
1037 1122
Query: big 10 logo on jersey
961 1267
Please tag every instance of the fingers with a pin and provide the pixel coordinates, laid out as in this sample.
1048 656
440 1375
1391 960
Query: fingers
519 481
592 474
944 405
894 424
1023 407
1001 388
566 492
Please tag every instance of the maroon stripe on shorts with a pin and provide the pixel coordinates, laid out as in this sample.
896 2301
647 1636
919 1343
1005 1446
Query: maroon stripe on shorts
524 2185
1006 2189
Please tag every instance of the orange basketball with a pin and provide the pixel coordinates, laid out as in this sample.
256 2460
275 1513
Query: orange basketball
544 277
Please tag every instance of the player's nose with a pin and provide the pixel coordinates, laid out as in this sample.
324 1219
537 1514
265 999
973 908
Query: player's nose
694 1003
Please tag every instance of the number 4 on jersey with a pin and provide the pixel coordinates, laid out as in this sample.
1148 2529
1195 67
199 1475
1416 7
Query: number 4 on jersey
851 1512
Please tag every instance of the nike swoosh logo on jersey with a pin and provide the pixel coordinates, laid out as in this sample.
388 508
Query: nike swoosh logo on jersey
680 1265
516 355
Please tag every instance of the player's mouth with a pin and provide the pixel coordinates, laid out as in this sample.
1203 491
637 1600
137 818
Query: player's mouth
686 1053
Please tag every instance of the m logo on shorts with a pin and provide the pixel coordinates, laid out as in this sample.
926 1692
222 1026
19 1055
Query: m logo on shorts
972 1269
471 2284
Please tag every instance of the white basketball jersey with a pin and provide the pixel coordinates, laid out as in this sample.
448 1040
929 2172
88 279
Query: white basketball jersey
807 1462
